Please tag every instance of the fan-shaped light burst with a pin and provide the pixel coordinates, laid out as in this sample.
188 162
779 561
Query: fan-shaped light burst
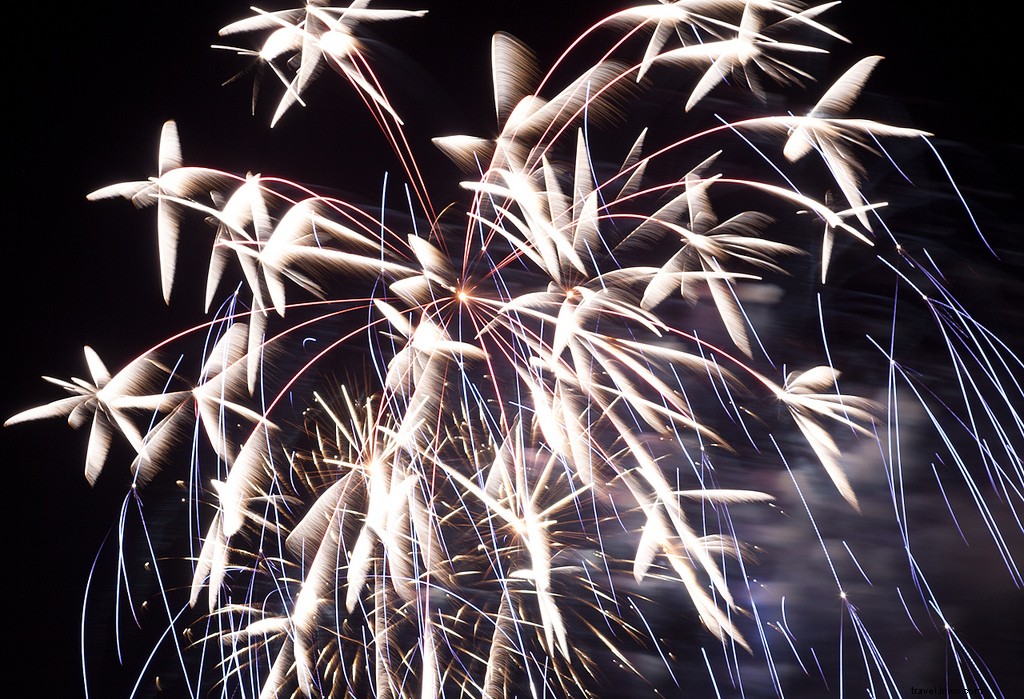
560 400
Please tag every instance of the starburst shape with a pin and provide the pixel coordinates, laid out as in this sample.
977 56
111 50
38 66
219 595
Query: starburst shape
112 401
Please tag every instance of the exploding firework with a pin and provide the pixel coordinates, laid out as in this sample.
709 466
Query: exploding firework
566 432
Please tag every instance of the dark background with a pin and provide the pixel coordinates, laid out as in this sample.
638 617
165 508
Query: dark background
87 90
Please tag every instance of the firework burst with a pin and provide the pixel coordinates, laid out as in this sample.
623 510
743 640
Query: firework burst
534 432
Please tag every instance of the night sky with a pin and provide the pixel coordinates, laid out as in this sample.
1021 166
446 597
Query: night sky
88 89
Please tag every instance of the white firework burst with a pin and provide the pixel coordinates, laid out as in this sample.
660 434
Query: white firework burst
541 421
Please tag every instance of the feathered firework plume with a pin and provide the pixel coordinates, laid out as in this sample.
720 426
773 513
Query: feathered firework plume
541 429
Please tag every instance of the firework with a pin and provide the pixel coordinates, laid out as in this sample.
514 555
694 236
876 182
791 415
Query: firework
511 445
